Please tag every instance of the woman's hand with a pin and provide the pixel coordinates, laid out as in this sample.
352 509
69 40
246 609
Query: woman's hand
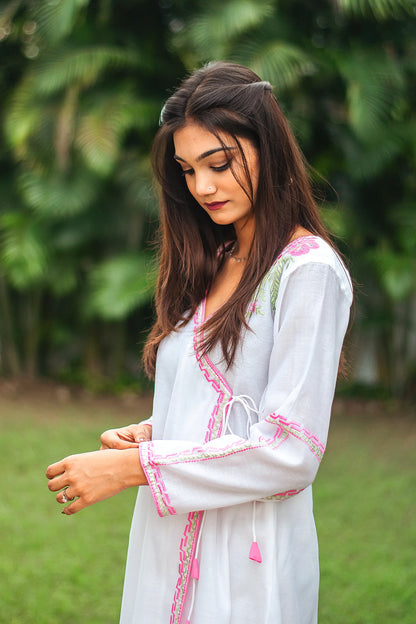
126 437
88 478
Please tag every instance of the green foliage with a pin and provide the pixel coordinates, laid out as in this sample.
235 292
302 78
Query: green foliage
211 33
397 272
78 120
57 194
280 62
119 285
84 87
55 20
24 256
380 9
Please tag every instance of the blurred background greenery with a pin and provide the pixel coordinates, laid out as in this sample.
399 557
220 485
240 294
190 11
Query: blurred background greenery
81 86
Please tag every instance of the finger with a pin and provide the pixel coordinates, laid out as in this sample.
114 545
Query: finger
57 483
106 437
127 436
55 469
119 445
142 436
69 497
74 507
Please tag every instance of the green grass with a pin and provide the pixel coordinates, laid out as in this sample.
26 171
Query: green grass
365 508
70 570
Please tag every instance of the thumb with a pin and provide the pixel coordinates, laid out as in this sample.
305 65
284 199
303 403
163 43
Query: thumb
142 436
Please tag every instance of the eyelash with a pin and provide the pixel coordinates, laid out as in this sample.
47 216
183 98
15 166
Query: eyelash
216 169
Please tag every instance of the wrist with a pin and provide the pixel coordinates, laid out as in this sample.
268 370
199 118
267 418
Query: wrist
134 473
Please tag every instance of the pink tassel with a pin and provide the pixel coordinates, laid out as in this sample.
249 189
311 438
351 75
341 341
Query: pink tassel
255 553
195 570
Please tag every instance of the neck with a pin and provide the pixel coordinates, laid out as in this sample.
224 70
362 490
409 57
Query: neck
245 235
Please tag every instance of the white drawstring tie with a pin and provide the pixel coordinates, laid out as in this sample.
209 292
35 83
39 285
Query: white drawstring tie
249 407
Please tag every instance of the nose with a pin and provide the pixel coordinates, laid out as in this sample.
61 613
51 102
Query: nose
204 186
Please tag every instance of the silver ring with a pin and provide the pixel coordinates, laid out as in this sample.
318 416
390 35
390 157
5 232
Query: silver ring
65 498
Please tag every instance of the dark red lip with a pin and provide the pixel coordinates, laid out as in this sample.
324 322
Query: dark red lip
215 205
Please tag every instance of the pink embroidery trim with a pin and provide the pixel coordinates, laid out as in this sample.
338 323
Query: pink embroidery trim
207 368
283 495
186 555
186 552
155 481
300 246
303 434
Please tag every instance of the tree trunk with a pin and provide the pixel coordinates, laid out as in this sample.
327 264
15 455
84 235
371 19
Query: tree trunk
92 356
31 311
117 349
10 361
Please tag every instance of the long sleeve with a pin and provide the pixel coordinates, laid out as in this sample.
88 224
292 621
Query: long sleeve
283 451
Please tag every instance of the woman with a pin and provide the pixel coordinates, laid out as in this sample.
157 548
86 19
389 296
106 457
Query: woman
252 307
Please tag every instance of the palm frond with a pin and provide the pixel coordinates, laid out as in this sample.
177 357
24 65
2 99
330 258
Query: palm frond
368 161
380 9
210 33
55 20
282 63
67 66
119 285
101 129
67 70
23 249
58 195
375 85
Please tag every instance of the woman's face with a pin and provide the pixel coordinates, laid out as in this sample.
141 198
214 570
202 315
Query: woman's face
212 170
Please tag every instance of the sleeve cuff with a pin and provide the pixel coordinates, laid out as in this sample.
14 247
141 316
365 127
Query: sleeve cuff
155 481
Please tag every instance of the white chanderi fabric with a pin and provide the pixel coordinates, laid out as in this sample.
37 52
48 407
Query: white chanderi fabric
223 439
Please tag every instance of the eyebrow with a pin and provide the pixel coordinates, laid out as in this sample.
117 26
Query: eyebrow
208 153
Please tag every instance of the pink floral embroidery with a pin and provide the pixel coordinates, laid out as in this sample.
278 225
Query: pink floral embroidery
301 246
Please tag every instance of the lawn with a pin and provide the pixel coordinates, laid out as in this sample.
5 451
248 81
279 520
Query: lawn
70 570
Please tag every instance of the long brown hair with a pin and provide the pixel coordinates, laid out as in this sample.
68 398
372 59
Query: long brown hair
226 99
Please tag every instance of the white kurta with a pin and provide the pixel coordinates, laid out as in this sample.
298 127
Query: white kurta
224 439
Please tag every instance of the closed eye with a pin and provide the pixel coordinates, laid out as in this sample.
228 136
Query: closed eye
218 169
222 167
